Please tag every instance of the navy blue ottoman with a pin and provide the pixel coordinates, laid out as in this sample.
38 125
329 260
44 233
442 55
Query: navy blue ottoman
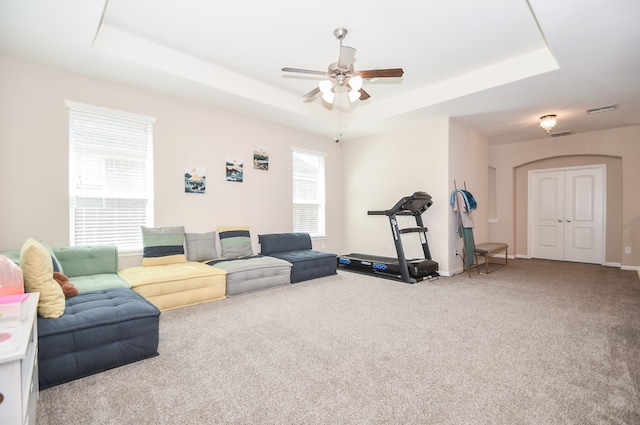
99 330
296 248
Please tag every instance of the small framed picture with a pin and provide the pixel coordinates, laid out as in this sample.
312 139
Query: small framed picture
234 170
194 180
260 159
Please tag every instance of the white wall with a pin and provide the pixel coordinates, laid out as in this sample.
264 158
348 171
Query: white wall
380 170
622 143
34 159
469 164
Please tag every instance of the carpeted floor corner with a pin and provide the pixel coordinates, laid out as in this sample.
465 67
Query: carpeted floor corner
538 342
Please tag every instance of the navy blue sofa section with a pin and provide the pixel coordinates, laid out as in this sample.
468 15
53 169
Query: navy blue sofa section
99 330
296 248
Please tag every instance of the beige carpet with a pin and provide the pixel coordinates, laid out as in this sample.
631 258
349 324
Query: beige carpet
538 342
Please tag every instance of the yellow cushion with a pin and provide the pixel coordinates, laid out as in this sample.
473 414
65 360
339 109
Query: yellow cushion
37 268
161 261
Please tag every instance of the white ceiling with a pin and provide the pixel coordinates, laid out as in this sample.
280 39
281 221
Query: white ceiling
495 65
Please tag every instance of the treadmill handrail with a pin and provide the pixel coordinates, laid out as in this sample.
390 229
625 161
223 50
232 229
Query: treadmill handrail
400 209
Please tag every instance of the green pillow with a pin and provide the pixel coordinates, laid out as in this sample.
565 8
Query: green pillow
162 245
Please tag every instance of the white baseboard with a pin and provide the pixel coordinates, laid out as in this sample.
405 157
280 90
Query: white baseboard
634 268
449 273
606 264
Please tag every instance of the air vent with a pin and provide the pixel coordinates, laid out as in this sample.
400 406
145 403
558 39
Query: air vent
599 109
560 133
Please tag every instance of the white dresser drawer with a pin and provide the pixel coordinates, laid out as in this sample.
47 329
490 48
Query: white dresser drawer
19 368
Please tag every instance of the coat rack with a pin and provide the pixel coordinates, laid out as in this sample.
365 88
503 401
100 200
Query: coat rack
471 251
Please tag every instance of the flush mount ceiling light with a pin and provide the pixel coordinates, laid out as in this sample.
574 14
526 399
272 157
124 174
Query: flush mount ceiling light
547 122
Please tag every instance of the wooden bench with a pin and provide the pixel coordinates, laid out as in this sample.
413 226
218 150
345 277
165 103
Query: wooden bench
487 250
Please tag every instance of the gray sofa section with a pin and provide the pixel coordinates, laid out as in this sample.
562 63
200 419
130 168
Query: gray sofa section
297 249
248 274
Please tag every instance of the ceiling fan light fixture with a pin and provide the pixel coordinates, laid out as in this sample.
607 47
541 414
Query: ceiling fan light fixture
328 97
355 83
547 122
326 88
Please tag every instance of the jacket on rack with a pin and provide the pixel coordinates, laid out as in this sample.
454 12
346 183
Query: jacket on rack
463 203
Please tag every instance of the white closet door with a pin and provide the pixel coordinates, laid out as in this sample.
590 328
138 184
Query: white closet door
566 214
546 214
584 215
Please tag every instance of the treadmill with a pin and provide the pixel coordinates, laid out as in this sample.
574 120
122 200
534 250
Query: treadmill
409 271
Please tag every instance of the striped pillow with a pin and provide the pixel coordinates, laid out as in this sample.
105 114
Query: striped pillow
235 241
162 245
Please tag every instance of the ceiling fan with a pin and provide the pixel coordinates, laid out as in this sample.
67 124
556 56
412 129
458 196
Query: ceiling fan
342 74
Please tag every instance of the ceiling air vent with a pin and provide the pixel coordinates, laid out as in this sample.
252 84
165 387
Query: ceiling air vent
599 109
560 133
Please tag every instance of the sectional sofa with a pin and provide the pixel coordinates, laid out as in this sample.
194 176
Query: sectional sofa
172 257
114 319
105 326
181 268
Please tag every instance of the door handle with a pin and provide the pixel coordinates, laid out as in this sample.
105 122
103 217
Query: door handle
568 221
559 220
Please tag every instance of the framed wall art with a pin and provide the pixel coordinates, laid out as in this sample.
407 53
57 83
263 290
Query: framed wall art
234 170
195 180
260 159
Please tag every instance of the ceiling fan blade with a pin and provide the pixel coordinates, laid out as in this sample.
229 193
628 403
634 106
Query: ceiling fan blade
312 93
379 73
347 55
305 71
364 95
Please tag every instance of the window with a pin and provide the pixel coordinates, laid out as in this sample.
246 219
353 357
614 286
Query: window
308 192
110 176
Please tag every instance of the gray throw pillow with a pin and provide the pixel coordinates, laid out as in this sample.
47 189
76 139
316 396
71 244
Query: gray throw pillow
201 246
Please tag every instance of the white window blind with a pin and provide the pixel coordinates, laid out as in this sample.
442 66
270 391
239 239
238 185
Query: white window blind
308 192
110 176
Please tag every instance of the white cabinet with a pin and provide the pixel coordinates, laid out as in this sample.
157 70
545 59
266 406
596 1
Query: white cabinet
19 367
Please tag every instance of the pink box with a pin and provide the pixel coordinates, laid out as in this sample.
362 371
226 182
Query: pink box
13 307
11 279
